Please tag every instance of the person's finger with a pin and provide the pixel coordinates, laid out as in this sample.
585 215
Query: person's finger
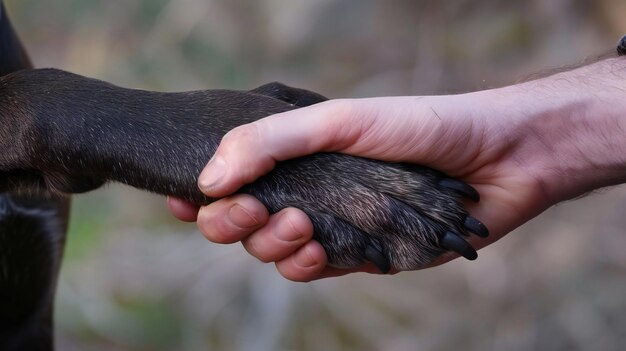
182 210
231 219
309 263
284 233
249 151
305 264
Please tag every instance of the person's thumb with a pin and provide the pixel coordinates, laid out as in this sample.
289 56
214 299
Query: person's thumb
250 151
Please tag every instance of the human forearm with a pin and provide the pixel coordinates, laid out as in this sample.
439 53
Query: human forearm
568 130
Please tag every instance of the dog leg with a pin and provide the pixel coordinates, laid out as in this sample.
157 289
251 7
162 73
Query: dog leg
77 133
32 233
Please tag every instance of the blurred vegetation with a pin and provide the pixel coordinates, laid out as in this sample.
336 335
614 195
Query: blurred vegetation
135 279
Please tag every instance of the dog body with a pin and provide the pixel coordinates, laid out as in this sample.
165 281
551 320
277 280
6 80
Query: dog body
62 133
32 234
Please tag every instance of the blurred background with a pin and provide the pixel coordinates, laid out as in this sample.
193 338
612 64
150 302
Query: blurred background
136 279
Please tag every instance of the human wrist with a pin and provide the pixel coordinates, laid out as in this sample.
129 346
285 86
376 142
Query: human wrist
570 128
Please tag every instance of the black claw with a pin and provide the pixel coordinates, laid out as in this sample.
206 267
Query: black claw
453 242
374 253
476 227
461 188
621 46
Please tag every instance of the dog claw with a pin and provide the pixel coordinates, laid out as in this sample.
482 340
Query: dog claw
461 188
453 242
476 227
374 253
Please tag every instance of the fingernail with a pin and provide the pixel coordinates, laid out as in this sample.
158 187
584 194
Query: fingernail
288 232
304 259
212 174
240 217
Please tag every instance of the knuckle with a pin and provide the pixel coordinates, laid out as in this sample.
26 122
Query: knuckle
265 258
215 228
342 123
291 274
213 234
296 225
253 249
338 110
244 135
339 106
245 151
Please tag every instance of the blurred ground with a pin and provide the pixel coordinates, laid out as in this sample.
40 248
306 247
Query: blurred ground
135 279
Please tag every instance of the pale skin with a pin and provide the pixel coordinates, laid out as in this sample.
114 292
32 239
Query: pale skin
524 147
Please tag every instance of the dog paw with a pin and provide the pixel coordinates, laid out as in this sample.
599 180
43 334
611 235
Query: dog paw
396 216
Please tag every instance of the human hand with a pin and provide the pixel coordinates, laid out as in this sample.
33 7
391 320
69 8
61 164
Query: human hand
500 141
